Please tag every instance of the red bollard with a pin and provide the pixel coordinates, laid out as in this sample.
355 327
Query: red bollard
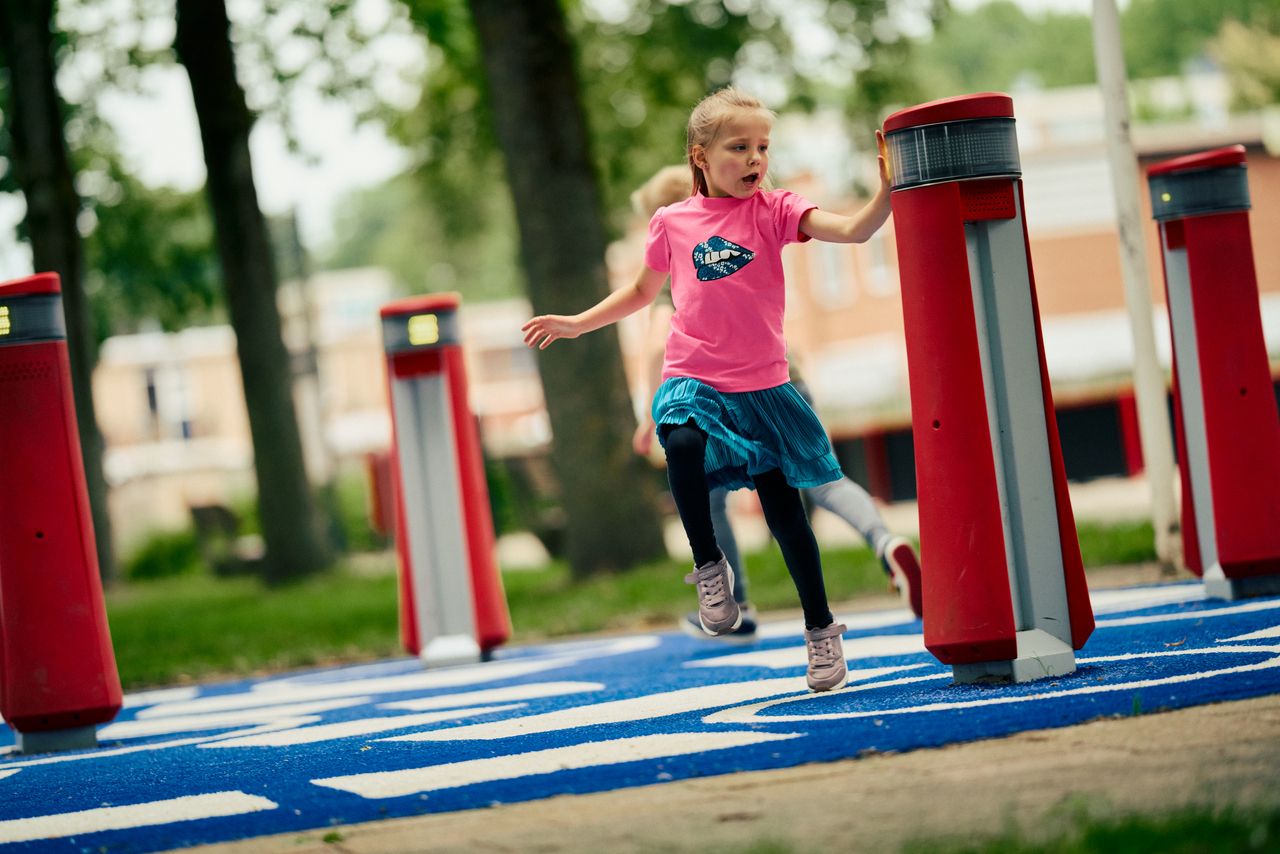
58 674
452 605
1224 404
1004 589
380 487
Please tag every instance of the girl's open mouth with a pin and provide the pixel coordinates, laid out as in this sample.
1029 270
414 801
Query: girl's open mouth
751 179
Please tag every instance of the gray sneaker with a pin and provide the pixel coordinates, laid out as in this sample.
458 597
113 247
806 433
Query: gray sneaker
717 612
827 670
745 633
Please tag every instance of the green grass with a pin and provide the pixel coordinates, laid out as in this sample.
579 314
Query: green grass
191 627
547 602
1120 543
1191 830
195 626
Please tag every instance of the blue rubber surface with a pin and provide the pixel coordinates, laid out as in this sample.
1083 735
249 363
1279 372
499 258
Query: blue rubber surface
218 762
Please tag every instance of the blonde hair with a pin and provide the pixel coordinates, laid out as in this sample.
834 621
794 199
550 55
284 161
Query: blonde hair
705 122
669 185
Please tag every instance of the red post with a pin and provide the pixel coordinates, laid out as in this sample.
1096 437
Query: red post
1130 435
58 674
1228 426
452 604
1004 587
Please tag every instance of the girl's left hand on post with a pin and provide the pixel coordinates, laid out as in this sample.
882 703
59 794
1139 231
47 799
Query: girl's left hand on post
883 159
541 331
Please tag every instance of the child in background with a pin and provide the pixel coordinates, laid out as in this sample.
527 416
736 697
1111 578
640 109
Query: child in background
726 414
843 497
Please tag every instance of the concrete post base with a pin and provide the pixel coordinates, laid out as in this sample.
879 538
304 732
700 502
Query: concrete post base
449 650
1040 656
75 738
1241 588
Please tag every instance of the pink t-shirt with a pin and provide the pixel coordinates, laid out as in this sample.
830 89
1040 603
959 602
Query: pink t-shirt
725 260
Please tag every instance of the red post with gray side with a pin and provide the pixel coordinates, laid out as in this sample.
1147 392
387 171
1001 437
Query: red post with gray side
1225 408
1004 589
58 676
452 605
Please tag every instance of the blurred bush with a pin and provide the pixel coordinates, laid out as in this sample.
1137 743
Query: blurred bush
165 554
349 509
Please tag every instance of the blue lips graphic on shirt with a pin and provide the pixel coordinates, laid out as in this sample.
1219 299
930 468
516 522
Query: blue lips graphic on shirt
717 258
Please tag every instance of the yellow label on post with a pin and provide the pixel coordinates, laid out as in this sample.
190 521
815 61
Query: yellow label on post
423 329
5 325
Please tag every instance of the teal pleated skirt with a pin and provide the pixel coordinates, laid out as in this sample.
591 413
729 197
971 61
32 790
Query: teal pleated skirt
750 432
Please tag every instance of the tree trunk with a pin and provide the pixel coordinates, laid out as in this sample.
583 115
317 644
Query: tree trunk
609 497
43 170
285 505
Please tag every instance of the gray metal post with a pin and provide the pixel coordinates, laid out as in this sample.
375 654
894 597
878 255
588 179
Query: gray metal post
1148 378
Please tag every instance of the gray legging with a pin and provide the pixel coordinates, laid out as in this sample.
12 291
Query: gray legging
842 497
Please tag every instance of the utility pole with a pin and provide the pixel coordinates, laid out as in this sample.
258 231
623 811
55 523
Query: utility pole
306 368
1148 378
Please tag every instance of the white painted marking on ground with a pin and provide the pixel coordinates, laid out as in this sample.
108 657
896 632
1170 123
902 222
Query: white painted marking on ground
619 646
1247 608
222 720
9 773
1205 650
532 691
1134 598
619 711
351 729
796 656
395 784
285 692
160 695
190 808
1273 632
562 654
748 714
858 622
163 745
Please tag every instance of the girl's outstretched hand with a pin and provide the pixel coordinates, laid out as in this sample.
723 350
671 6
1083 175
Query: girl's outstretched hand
882 159
546 328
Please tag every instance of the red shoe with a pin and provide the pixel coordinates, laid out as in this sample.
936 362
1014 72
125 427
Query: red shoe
900 560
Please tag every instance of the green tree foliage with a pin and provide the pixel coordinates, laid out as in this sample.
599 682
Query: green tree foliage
1161 36
1251 58
996 46
150 253
399 225
642 64
642 72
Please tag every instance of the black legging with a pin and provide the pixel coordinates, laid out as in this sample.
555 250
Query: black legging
686 447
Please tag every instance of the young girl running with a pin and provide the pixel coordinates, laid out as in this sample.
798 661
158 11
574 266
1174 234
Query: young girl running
726 414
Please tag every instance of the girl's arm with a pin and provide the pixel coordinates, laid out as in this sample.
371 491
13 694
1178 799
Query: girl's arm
654 353
542 330
833 228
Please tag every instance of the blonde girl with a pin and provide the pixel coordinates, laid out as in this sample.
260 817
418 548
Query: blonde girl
726 413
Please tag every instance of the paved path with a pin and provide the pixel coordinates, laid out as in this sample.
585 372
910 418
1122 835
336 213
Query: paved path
291 754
